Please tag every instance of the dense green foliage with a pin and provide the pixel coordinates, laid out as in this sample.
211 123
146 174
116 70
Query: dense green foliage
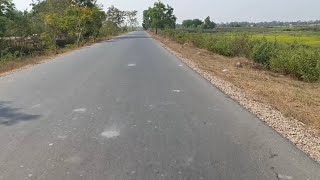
191 23
159 16
208 24
198 24
263 51
294 59
297 60
54 24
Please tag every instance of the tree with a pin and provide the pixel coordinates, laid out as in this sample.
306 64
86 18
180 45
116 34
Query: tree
159 17
191 23
197 22
169 18
146 19
208 24
187 23
6 14
115 15
55 23
86 3
6 6
67 20
19 25
132 18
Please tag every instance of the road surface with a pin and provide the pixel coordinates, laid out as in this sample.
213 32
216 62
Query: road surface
128 109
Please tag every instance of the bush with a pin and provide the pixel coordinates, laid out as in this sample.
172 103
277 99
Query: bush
263 51
7 54
181 37
198 40
297 60
221 46
238 45
241 45
302 62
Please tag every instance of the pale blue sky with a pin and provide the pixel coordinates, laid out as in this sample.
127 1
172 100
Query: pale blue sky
223 10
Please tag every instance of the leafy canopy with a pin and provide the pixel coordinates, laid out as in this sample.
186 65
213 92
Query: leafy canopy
57 23
192 23
159 16
197 23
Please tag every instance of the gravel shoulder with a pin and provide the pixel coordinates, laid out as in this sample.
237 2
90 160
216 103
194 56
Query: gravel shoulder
253 88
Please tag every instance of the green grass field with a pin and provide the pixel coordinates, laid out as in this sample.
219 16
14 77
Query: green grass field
313 41
303 35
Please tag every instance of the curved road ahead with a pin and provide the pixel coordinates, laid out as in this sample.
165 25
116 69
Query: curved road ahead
128 109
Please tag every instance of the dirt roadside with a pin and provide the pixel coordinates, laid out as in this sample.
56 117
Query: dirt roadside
289 106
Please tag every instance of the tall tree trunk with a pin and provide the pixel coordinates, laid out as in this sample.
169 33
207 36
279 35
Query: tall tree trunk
80 31
55 42
79 36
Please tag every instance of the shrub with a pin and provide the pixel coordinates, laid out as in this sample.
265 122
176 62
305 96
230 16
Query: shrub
221 46
263 51
169 33
293 59
241 45
301 62
9 56
198 40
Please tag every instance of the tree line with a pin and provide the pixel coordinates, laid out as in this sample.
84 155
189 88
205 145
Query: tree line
161 16
54 23
197 23
270 24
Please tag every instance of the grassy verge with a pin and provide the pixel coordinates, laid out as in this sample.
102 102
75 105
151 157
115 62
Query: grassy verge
294 59
294 98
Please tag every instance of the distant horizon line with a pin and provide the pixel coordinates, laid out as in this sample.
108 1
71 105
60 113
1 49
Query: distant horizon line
256 22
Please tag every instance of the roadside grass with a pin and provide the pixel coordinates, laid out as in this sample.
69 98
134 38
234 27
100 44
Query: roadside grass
294 98
294 59
303 35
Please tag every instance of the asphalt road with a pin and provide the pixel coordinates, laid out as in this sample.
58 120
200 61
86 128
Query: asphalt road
128 109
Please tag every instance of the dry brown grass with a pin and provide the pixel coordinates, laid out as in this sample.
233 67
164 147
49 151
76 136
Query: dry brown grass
294 98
